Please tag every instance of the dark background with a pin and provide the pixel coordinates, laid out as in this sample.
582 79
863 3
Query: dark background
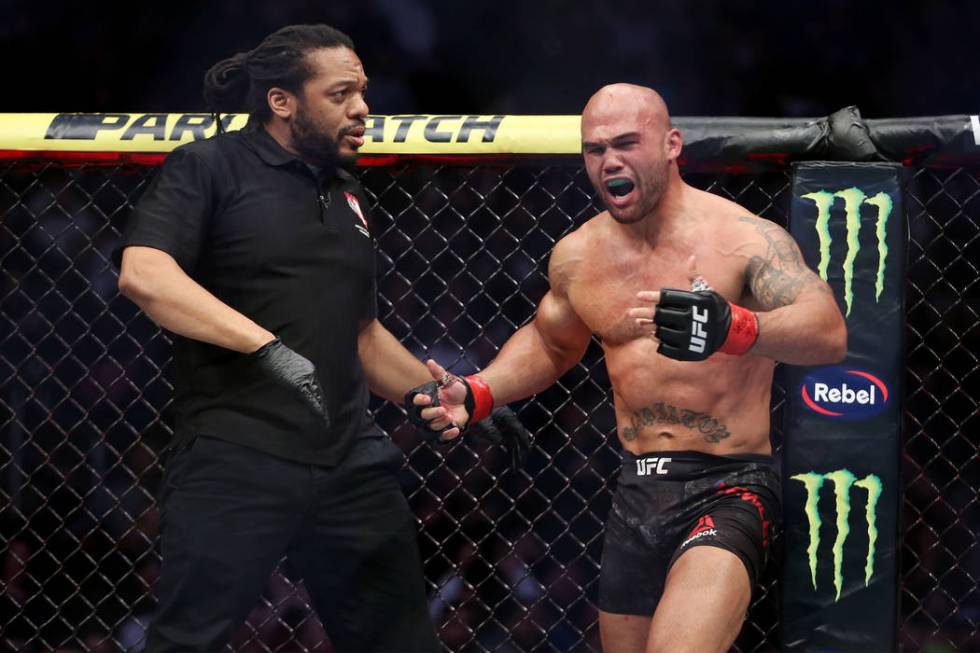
77 550
710 57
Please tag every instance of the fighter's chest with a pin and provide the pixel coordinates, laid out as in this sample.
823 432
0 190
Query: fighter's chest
605 291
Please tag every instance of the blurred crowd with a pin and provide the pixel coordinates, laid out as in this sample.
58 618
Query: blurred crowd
511 557
790 58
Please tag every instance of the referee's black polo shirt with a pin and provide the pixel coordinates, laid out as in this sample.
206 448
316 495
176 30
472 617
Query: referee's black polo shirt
287 248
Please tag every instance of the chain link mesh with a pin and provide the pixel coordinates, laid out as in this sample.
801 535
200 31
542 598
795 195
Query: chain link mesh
511 558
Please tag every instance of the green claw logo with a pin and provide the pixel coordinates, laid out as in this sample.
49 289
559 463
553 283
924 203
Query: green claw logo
843 480
853 199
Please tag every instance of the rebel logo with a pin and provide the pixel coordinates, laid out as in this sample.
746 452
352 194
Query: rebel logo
843 393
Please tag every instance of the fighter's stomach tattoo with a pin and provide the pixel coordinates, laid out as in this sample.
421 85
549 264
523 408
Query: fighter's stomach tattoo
711 428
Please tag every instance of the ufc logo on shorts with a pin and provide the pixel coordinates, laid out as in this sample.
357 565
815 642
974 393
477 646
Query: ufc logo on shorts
647 466
698 335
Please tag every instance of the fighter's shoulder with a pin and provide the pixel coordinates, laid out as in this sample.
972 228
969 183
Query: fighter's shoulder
568 253
762 233
734 219
576 244
718 206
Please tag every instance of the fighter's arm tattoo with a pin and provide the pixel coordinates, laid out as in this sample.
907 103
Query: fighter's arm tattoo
712 429
779 276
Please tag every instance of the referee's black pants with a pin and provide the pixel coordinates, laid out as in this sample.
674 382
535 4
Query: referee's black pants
229 514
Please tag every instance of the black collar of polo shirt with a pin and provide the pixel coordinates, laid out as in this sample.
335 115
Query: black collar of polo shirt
260 141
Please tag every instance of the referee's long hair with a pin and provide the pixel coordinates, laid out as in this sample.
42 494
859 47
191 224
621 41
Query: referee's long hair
240 83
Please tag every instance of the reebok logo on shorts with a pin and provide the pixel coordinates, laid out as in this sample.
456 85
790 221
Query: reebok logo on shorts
705 528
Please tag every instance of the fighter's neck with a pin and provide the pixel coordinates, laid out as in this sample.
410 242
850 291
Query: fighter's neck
668 219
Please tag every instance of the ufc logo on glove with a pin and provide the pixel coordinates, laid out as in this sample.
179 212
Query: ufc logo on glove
698 335
691 326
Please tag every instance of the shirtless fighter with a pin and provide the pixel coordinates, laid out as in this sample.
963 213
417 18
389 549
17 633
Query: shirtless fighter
691 366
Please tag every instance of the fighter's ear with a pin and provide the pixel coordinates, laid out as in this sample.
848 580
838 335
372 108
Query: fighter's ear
673 143
282 103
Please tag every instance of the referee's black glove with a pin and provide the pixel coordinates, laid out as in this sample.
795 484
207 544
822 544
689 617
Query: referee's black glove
295 373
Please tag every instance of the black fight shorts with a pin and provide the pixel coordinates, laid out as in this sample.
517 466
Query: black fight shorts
668 502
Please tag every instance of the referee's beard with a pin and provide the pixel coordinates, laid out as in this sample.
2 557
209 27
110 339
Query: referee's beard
313 143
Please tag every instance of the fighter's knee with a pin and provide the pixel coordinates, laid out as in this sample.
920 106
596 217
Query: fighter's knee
667 640
676 640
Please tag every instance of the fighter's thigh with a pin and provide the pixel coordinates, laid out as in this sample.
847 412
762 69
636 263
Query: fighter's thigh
623 633
633 571
631 581
704 603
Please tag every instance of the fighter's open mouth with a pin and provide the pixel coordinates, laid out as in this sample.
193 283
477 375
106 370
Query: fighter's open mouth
619 187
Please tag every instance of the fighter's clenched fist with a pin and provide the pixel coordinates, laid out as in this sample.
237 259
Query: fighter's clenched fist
691 326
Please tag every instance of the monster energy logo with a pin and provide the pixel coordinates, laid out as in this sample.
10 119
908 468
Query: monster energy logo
853 199
843 480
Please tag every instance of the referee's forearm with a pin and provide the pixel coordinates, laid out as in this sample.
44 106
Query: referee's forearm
390 369
162 290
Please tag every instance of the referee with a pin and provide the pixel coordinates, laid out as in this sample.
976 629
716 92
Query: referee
255 249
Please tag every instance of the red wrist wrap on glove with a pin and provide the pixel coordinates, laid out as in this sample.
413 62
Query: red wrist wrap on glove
482 398
742 333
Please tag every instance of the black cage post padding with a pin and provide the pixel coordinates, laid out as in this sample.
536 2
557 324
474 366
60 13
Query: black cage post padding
511 558
842 423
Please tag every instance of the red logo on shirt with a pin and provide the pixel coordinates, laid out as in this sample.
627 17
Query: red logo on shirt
355 206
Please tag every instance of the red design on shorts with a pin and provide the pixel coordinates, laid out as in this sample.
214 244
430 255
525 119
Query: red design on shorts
705 523
750 497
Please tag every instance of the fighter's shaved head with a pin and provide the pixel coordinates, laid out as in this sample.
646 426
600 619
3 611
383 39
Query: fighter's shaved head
630 149
620 101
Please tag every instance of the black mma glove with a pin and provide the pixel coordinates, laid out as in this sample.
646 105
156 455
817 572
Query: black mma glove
478 402
693 325
501 427
293 372
424 427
